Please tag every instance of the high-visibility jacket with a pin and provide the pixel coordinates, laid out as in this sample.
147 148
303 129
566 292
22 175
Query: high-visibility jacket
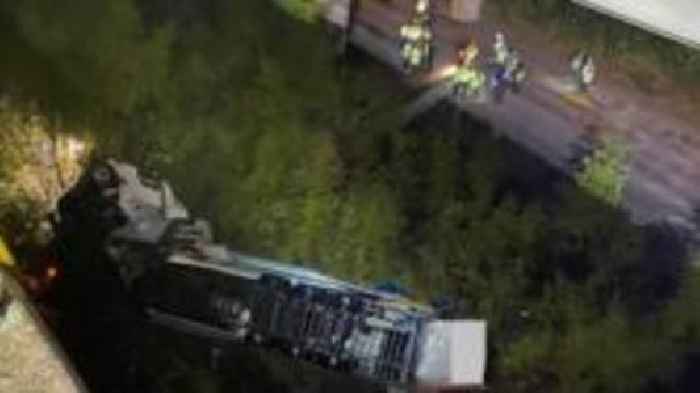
426 34
470 77
411 32
464 74
415 55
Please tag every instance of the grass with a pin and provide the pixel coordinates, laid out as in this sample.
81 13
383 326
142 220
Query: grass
305 10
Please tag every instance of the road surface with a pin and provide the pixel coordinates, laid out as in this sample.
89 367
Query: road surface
551 120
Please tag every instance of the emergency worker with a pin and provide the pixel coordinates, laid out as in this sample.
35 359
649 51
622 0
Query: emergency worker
468 81
411 32
583 69
416 44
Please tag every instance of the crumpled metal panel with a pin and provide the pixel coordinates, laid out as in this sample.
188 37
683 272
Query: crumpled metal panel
453 353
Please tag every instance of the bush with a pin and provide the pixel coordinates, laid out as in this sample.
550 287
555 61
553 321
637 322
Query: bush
605 172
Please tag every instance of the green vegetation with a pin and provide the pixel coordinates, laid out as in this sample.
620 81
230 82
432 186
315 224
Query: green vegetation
95 53
305 10
604 174
38 160
295 156
609 37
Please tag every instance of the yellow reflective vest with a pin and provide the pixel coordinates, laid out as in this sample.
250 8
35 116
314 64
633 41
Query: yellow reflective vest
411 32
469 77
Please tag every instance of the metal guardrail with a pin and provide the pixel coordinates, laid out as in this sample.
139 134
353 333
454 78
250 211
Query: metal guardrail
31 359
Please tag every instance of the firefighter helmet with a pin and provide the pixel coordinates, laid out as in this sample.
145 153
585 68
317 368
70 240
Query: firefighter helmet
422 6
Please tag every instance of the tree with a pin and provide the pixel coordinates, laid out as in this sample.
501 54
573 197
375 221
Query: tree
100 49
37 161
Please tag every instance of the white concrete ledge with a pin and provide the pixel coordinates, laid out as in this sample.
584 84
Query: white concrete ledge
677 20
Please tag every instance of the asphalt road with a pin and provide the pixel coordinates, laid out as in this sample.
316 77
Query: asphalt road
551 120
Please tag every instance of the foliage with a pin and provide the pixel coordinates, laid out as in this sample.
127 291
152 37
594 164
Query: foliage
39 160
605 172
601 356
306 10
106 61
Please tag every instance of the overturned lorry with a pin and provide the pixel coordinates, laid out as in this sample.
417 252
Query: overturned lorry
181 278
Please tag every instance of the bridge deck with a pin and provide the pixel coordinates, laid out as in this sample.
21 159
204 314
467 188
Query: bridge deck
549 119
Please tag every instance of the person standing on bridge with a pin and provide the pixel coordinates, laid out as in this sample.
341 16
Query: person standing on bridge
411 35
416 44
468 82
468 79
583 69
506 70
